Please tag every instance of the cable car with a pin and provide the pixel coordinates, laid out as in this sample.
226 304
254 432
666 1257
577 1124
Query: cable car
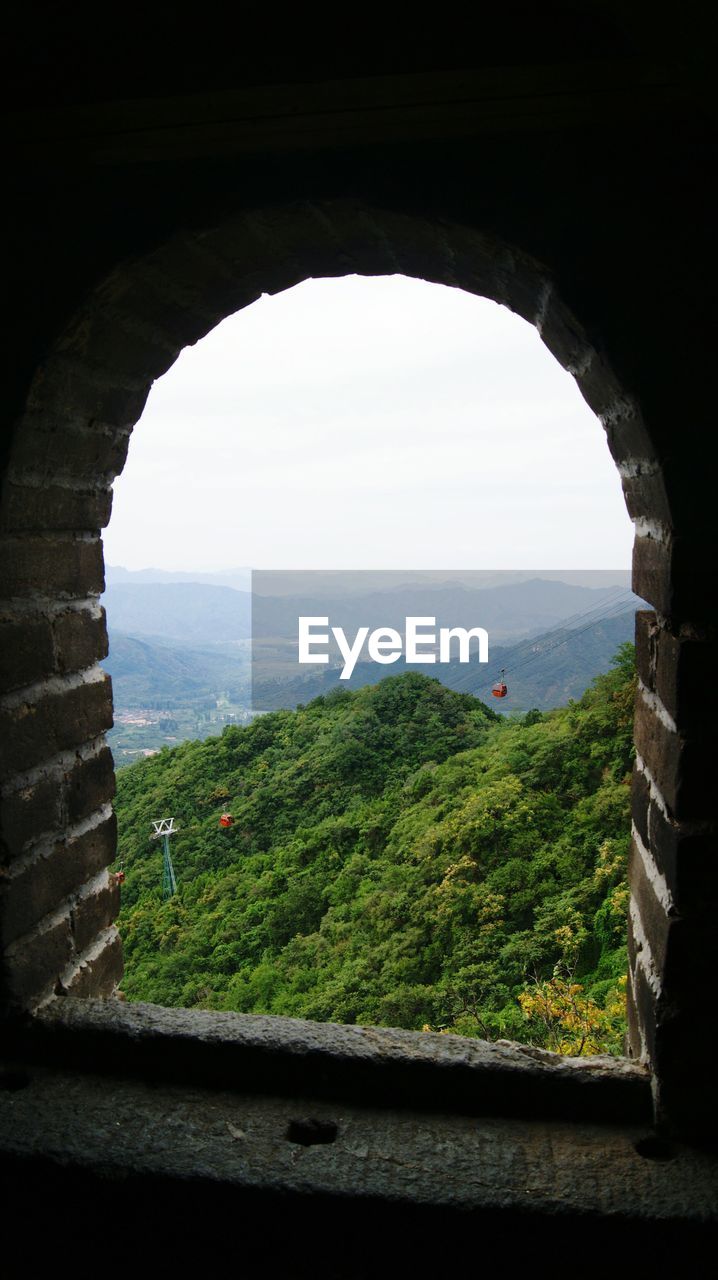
499 690
226 820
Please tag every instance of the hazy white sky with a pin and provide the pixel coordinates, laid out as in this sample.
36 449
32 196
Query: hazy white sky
369 423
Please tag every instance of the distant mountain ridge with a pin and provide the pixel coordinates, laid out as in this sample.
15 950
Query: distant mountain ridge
238 579
506 610
204 613
187 644
544 672
190 612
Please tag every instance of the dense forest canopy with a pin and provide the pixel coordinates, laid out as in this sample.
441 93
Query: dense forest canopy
400 856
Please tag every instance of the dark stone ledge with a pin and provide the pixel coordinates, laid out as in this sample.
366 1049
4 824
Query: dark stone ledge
109 1141
375 1066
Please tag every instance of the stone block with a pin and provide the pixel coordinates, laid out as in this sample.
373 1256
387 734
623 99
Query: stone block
652 573
633 1031
47 447
64 795
99 973
26 651
94 912
683 769
54 508
688 858
74 390
34 962
688 977
659 748
646 498
67 566
685 670
654 918
628 437
646 626
640 800
89 784
644 1001
36 731
141 293
29 812
128 352
80 639
38 887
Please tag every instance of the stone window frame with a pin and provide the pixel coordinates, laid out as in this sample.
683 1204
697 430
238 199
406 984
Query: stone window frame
58 903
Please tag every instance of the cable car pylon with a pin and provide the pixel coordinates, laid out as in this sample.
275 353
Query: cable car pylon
163 829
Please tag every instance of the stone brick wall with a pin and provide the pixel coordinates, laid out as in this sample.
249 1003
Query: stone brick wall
673 864
57 902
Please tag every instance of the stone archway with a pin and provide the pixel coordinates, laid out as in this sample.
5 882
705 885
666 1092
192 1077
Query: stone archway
58 904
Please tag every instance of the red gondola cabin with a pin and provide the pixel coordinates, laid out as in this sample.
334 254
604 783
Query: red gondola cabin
500 690
226 820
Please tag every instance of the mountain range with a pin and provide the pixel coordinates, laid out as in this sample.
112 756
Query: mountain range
182 643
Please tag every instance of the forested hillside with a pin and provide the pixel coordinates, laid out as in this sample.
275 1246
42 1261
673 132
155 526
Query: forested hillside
400 857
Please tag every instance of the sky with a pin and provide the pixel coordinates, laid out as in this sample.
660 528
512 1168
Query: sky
369 423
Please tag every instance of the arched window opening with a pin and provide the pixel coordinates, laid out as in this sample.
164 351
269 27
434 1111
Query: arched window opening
58 904
409 854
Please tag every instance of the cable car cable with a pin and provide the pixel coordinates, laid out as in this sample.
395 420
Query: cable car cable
616 601
595 613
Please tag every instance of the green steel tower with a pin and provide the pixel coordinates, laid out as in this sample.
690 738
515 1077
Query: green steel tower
163 829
